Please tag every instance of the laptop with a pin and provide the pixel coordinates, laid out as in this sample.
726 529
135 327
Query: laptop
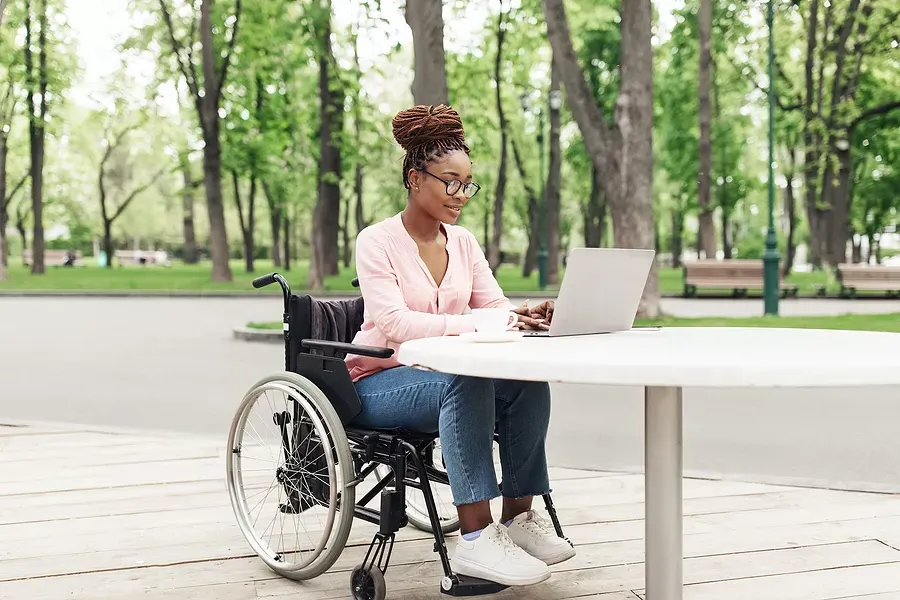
600 292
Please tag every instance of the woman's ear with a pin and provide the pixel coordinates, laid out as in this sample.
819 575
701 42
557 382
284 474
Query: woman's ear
413 178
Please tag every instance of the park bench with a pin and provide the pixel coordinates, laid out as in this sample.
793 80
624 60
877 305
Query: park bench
734 274
140 257
853 277
52 258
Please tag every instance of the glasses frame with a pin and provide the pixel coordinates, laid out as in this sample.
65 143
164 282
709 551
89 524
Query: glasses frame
460 185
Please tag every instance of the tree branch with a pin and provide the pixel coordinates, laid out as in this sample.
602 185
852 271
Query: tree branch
135 194
231 43
187 70
5 202
875 111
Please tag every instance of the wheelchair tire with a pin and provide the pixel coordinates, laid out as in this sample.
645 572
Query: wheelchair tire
367 583
305 492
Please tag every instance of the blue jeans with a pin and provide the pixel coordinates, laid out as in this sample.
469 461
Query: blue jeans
463 411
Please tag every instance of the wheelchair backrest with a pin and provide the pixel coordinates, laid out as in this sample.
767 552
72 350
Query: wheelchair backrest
335 321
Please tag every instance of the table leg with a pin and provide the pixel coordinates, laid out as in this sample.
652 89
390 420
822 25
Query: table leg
663 496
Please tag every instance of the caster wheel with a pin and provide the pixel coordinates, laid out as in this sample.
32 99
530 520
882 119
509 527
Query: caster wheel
446 584
367 584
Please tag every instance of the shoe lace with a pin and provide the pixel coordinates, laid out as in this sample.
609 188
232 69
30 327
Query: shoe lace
539 524
505 542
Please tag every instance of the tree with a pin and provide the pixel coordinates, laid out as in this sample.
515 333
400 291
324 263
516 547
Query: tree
114 175
707 234
206 92
326 217
554 180
623 151
494 253
36 90
426 21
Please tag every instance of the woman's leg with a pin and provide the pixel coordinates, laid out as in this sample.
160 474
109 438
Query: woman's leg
460 409
523 416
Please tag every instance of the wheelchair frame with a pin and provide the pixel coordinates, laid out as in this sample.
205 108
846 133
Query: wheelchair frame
321 362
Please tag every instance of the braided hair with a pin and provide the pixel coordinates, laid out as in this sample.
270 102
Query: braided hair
427 133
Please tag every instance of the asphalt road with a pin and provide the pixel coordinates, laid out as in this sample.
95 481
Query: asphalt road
171 364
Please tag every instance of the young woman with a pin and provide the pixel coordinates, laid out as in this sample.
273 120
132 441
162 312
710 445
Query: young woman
418 272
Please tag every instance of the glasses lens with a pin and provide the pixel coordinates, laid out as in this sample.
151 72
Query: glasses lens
471 189
452 187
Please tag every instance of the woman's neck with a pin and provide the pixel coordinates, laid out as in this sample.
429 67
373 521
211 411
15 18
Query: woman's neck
421 226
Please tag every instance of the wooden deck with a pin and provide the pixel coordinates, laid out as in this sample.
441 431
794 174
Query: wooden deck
95 515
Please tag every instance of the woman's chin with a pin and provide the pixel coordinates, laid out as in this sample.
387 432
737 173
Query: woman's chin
450 216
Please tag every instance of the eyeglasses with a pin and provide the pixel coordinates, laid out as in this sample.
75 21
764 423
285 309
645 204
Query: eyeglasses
469 189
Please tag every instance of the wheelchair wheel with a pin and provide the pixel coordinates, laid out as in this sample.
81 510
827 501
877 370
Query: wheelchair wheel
416 510
288 466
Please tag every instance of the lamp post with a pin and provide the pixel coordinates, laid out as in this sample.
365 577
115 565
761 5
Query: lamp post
771 257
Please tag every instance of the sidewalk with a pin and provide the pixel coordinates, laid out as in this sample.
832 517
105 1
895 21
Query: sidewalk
86 514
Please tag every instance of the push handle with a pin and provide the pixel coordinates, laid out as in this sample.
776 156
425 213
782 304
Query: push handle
264 280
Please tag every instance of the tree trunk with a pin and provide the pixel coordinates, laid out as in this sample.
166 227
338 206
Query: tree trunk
677 237
4 248
108 243
624 155
595 213
23 233
187 211
36 121
274 201
327 214
345 235
286 222
790 210
810 141
247 225
250 236
426 20
707 229
493 253
532 217
837 197
554 182
212 177
359 214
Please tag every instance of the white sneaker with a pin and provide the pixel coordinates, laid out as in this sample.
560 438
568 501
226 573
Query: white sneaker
493 556
536 535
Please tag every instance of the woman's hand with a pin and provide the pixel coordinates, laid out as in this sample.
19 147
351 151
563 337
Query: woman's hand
534 317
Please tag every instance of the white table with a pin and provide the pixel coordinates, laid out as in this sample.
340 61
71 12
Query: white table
663 362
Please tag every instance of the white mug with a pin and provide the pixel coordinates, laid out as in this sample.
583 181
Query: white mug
493 320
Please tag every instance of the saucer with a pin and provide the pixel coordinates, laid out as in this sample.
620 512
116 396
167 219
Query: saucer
492 336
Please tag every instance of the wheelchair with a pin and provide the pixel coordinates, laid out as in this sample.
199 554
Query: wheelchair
305 478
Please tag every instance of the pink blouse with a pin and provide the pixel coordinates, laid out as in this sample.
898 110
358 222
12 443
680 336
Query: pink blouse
402 301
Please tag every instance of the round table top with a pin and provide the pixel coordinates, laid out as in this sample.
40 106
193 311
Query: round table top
676 357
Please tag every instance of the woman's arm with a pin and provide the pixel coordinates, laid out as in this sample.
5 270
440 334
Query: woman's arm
384 298
486 292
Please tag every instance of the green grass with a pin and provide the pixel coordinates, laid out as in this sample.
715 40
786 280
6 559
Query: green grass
181 277
196 278
885 322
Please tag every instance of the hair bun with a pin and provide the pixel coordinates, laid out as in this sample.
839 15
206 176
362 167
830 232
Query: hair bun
422 124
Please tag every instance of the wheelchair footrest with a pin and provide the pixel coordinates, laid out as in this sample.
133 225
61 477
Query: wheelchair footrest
463 585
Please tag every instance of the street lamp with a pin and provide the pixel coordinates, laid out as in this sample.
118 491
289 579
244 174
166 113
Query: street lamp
771 256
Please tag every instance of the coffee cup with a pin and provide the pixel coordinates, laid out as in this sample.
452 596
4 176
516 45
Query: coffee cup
494 320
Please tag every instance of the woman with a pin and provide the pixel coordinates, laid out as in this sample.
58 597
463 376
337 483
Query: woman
418 272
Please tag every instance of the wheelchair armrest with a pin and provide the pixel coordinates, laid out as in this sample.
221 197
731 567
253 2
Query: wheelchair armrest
329 346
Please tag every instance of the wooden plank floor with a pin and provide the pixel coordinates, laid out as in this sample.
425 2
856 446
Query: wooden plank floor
94 515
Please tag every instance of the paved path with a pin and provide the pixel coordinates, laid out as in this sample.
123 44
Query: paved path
171 364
